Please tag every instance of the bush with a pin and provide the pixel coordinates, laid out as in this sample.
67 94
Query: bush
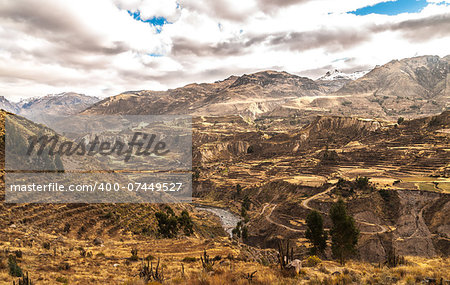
81 230
385 194
61 279
312 261
46 245
346 103
189 259
244 232
67 228
362 182
246 203
64 266
329 157
14 268
18 253
134 254
238 190
2 264
400 120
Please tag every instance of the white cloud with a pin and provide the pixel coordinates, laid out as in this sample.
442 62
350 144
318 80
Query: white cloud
97 48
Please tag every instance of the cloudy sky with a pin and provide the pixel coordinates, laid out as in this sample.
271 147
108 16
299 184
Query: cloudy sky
105 47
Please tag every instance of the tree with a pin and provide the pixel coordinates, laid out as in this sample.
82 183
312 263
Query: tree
362 182
315 233
400 120
186 223
244 232
344 234
169 223
238 190
246 203
236 232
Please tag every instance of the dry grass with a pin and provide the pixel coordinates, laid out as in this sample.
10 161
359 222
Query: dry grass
110 264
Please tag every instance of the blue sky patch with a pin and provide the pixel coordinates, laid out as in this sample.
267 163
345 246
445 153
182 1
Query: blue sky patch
392 8
155 54
157 22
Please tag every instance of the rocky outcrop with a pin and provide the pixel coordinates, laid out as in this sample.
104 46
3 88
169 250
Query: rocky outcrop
222 151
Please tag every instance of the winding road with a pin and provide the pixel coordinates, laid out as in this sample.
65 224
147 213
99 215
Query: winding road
305 204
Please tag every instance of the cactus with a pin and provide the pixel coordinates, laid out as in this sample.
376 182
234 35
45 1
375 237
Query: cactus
147 273
25 280
285 253
207 263
393 260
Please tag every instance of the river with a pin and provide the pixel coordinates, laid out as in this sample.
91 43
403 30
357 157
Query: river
227 218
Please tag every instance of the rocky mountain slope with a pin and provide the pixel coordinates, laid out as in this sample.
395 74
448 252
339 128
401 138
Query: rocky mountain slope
419 85
248 94
410 87
62 104
59 104
9 106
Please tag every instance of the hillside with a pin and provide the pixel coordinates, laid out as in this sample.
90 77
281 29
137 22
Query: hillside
278 168
284 172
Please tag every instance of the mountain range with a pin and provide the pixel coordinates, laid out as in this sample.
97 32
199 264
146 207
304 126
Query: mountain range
66 103
411 87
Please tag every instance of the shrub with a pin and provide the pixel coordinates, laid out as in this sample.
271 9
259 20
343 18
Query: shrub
238 190
61 279
18 253
81 230
100 254
14 268
362 182
189 259
329 157
400 120
67 228
346 103
246 203
2 264
312 261
64 266
46 245
244 232
385 194
134 254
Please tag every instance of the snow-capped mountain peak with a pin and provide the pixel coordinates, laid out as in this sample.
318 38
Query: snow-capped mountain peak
338 75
